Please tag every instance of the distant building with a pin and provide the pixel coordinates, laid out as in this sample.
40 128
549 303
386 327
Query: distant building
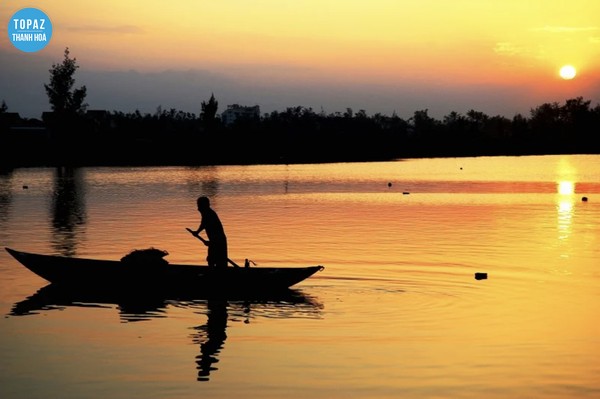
236 111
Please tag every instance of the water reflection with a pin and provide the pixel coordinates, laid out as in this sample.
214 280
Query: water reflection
210 336
68 209
132 307
566 189
565 218
204 179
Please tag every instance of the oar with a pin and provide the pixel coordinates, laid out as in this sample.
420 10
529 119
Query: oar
206 243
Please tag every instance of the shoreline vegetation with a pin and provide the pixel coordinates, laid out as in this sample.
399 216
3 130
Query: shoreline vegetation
296 135
71 135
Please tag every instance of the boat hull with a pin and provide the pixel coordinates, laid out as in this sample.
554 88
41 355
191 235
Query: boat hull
172 278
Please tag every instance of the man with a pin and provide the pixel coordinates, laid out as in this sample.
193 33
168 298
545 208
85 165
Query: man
217 241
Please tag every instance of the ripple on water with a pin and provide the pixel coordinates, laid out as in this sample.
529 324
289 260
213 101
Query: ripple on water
430 295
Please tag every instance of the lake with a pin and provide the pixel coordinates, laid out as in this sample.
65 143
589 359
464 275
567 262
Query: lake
397 311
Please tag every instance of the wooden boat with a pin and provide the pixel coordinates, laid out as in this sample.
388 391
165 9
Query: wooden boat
164 277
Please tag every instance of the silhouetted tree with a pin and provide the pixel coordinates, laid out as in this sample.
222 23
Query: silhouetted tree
546 127
476 121
361 114
423 124
208 113
63 98
299 134
455 123
576 114
67 124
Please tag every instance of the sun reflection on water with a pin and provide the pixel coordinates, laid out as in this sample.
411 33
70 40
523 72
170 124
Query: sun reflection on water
566 189
566 173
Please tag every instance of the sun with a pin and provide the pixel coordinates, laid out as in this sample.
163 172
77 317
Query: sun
568 72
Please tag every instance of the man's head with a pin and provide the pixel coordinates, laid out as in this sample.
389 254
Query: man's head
203 202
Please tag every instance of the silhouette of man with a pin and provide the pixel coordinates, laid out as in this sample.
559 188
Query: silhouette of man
217 241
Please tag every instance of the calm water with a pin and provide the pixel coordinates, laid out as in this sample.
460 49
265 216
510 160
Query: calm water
396 312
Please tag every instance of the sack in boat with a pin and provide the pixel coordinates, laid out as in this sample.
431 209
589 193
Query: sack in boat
146 257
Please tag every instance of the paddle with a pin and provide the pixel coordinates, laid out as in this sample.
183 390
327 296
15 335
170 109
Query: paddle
205 242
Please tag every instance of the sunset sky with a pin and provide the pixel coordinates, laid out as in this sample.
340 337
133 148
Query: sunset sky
500 58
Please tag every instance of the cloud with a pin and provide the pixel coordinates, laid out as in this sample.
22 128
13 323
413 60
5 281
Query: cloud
509 49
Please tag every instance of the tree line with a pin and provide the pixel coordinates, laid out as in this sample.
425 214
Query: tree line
75 136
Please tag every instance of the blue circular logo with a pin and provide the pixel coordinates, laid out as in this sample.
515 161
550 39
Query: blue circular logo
29 30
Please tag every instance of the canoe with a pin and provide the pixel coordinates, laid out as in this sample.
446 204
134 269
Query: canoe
101 274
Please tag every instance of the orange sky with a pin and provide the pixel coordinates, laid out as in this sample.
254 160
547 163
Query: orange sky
434 43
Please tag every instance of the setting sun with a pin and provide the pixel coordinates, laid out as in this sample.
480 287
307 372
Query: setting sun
568 72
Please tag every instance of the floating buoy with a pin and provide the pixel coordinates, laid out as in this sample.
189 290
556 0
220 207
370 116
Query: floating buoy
480 276
584 199
389 184
25 187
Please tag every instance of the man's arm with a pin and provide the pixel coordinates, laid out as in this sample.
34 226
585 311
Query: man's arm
197 235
